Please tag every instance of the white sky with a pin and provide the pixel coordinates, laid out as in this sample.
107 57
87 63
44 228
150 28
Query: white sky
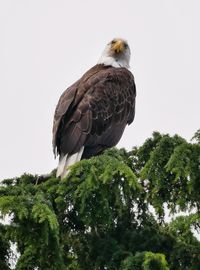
46 45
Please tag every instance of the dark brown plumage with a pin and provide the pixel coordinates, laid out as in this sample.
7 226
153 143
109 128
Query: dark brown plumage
94 111
92 114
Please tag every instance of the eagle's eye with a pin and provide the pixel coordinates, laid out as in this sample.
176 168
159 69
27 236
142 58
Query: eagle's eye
113 42
125 45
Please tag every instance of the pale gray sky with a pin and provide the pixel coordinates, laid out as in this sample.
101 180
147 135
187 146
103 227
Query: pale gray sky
46 45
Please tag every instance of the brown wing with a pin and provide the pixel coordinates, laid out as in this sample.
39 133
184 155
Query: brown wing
113 107
98 109
68 102
62 107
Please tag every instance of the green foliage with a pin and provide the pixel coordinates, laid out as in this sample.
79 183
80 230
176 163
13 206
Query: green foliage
99 216
154 261
171 172
145 261
4 249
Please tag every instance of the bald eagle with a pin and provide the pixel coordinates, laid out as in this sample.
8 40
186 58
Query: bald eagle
91 115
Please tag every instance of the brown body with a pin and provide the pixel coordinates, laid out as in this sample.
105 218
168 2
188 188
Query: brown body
94 111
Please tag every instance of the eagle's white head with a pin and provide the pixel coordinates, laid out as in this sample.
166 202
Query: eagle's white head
116 53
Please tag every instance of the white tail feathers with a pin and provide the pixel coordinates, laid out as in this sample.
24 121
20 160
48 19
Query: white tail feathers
61 165
67 160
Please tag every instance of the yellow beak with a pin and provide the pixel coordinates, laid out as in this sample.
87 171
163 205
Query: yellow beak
118 46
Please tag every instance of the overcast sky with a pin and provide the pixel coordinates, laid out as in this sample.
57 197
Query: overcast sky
46 45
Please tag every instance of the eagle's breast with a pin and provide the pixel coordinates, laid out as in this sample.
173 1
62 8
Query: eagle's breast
94 111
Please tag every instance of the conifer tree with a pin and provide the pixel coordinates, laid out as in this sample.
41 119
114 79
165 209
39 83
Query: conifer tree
109 213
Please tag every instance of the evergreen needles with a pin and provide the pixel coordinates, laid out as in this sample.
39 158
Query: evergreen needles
99 216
